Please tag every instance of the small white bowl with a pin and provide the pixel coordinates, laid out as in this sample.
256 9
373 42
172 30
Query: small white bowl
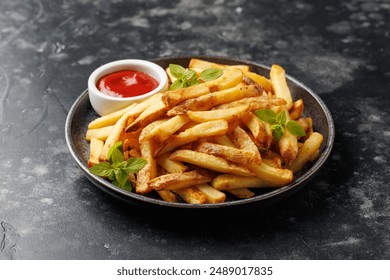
104 104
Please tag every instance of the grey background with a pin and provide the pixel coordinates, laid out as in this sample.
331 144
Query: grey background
49 210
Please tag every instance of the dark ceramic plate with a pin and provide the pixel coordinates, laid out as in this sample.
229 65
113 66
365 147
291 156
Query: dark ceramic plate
82 113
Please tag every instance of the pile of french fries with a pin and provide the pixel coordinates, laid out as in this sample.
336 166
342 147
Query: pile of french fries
205 141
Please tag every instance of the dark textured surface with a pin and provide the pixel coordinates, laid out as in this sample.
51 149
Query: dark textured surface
49 210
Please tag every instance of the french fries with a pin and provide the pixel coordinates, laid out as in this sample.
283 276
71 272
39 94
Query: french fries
99 133
226 182
288 145
202 64
279 85
207 101
210 162
222 114
204 141
173 181
212 128
149 171
95 148
307 151
244 142
212 195
261 131
191 195
235 155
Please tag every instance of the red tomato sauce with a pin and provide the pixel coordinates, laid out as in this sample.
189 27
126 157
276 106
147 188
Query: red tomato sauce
126 83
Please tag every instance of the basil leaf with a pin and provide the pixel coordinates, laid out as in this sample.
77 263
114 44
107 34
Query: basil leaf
295 128
116 183
278 132
116 146
111 177
127 186
210 74
190 74
266 115
281 118
133 165
176 84
176 70
103 169
121 176
116 156
189 83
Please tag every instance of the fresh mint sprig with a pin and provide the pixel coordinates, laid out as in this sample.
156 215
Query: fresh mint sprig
187 77
117 169
278 123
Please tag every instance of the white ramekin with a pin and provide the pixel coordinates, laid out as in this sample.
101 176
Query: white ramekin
104 104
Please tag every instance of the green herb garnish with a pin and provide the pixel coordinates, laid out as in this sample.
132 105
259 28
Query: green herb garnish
117 169
187 77
278 123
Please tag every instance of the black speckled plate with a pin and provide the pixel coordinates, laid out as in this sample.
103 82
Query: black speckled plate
82 113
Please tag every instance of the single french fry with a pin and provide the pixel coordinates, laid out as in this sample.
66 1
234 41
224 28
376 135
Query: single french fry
210 162
149 171
275 176
111 118
172 166
254 103
222 114
241 193
95 148
279 84
174 97
165 130
230 182
307 124
261 131
213 128
315 156
261 80
242 141
288 144
296 109
235 155
306 152
99 133
191 195
212 195
167 196
207 101
173 181
203 65
115 134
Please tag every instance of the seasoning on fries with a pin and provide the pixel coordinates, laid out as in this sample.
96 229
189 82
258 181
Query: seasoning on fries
216 138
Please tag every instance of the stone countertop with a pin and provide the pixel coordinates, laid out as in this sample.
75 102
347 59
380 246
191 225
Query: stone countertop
49 210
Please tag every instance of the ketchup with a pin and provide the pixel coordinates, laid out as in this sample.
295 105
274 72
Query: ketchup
126 83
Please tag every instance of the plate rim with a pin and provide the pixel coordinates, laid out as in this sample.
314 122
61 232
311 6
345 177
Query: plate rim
278 192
